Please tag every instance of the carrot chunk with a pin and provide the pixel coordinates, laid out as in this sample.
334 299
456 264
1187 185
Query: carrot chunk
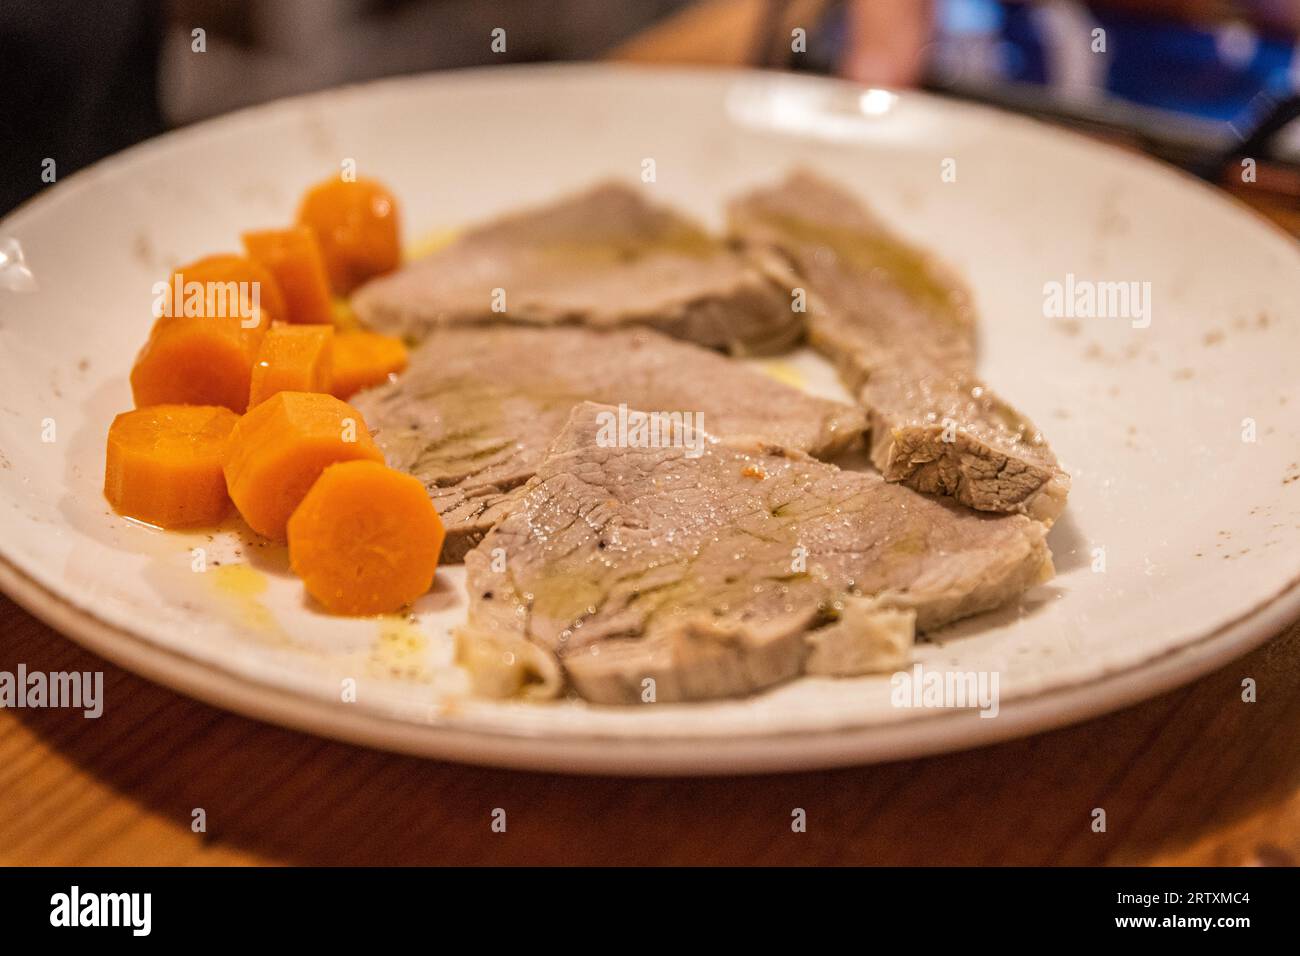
164 464
293 256
292 358
363 359
281 446
357 227
214 313
253 285
366 539
205 360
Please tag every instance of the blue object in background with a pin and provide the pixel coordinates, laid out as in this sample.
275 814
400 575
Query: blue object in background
1211 74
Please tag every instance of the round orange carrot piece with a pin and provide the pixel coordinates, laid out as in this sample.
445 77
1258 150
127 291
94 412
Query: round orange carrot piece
363 359
204 360
230 279
357 227
164 464
292 358
366 539
293 257
280 448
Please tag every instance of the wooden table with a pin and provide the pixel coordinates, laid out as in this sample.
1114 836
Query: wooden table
1196 776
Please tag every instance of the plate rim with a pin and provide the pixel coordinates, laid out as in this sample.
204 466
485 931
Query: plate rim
605 755
466 74
779 751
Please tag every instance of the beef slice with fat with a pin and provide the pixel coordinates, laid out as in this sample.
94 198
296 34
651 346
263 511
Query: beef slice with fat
603 258
723 574
476 409
901 330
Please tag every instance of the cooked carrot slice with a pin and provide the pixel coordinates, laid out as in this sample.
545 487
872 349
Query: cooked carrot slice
253 283
281 446
293 256
292 358
365 539
163 464
357 227
363 359
215 311
196 361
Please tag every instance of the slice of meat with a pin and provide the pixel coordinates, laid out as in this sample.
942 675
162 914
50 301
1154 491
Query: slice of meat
720 575
602 258
474 413
901 330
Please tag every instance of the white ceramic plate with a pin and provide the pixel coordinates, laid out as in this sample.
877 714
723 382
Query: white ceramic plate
1199 528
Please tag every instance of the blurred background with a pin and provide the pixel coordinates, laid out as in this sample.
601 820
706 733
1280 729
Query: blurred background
1203 84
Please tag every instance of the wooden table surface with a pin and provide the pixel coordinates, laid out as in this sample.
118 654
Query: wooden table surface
1196 776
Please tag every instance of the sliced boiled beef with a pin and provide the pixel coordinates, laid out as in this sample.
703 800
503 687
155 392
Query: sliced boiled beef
646 573
901 330
604 258
474 413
